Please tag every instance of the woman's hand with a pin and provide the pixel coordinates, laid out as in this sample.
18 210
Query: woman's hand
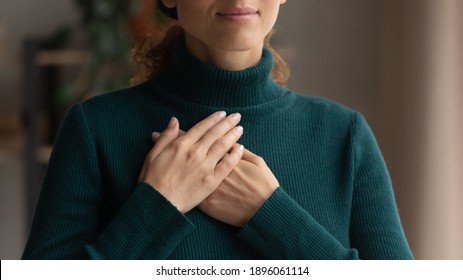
188 168
242 192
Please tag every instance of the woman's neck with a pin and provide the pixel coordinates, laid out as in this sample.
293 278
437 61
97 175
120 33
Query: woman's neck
224 59
190 79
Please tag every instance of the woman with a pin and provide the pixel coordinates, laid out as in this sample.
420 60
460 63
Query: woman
319 188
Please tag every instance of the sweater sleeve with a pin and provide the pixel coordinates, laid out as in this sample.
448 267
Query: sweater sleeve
67 220
375 230
282 229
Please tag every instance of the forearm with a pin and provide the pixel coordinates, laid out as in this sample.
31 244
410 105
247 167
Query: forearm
147 227
282 229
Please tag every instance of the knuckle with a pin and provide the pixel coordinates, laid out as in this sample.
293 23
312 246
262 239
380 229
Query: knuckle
260 160
198 128
169 133
202 126
223 143
179 145
208 181
204 169
214 133
194 153
227 162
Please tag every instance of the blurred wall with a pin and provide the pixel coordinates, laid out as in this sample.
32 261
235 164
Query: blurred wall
421 119
21 18
18 19
442 207
332 46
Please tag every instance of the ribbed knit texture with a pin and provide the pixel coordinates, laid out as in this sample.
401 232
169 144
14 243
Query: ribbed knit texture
335 200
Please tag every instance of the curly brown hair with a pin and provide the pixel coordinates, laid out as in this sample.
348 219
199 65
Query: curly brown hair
151 55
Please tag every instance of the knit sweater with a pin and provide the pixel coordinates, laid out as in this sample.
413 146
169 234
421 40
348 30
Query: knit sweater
335 199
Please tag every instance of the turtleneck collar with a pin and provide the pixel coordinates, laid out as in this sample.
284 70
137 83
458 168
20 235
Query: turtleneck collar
192 80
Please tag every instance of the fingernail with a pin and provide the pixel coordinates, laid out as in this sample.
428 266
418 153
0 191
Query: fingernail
239 129
236 116
155 135
172 122
222 114
241 148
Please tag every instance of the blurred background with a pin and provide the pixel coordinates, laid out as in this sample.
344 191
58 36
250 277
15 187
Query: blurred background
399 62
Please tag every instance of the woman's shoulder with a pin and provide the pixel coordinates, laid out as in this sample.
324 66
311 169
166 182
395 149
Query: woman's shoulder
119 107
323 108
332 119
129 96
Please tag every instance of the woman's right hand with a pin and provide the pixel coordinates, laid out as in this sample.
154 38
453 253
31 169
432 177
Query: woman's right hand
188 168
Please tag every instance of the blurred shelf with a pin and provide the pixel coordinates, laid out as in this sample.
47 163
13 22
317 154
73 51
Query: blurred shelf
60 58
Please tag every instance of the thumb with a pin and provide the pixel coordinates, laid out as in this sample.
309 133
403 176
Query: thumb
156 135
165 138
252 158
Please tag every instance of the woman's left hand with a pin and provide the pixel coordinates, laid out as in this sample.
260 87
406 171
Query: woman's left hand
242 193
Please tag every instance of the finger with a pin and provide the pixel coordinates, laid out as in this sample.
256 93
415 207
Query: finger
251 157
234 146
228 162
223 145
165 138
218 131
199 129
155 135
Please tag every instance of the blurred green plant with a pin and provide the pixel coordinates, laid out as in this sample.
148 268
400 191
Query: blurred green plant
106 25
109 28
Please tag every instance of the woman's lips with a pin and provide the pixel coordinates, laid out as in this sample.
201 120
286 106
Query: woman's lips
238 15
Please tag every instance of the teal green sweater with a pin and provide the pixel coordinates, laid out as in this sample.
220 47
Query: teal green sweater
335 200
